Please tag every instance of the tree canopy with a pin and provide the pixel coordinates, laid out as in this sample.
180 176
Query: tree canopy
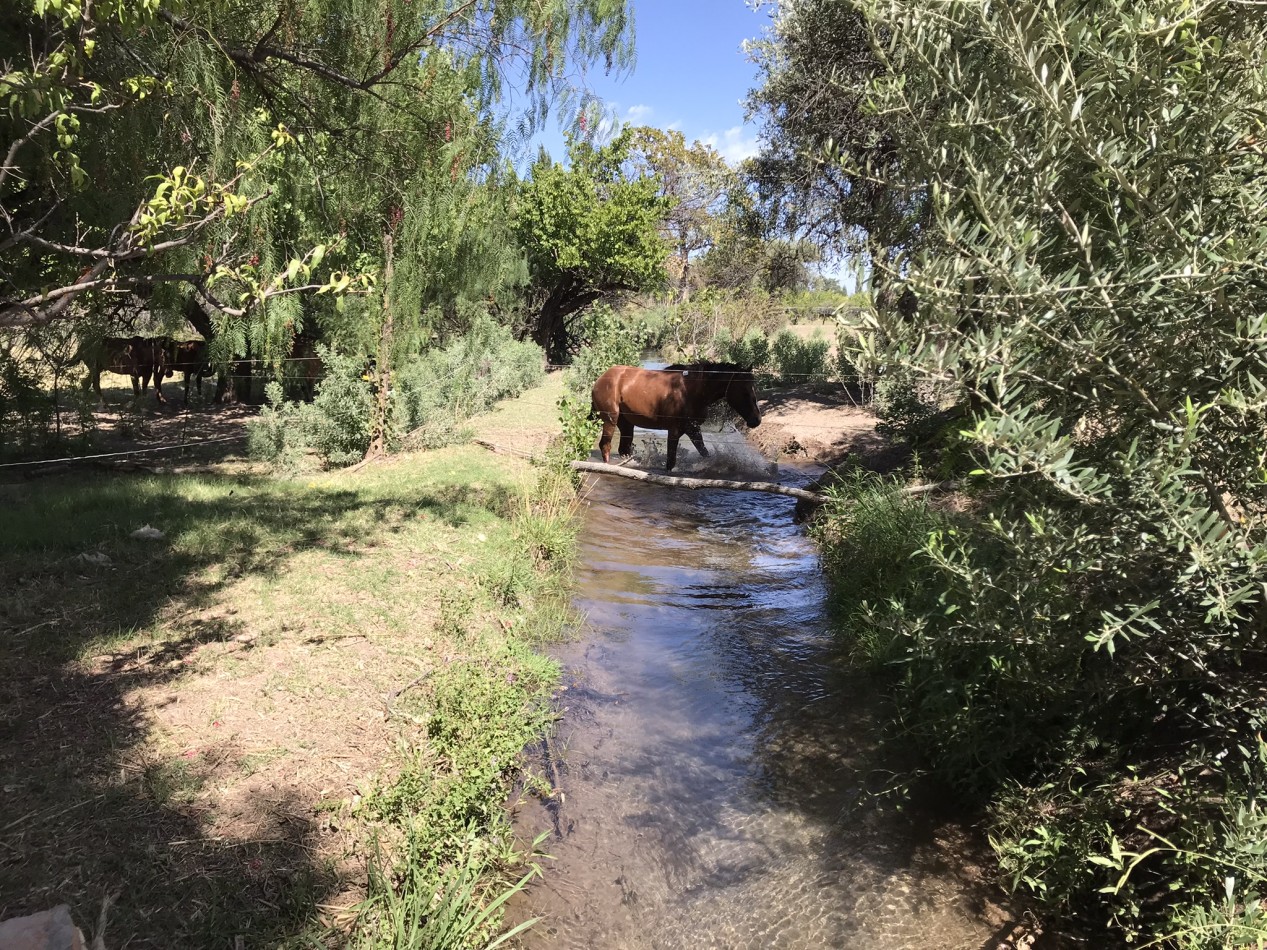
590 230
245 155
696 182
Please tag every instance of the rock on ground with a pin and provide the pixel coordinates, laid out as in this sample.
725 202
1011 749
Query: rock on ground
47 930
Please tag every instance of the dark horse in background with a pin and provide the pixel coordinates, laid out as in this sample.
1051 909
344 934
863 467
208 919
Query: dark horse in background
134 356
675 398
188 357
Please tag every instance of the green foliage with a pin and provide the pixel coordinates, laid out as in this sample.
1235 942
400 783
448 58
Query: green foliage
753 349
907 408
1083 285
449 799
42 411
800 361
199 155
434 394
443 387
436 909
336 425
693 327
589 230
815 64
744 262
607 340
696 182
339 420
785 360
871 536
26 410
279 434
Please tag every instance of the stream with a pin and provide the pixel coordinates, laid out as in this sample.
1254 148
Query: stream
714 746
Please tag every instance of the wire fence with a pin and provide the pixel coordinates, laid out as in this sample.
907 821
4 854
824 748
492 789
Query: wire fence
70 459
864 385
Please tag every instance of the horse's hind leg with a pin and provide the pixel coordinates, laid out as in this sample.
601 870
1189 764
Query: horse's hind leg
626 436
697 439
605 440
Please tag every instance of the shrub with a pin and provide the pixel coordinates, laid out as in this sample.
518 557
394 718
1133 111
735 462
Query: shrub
799 361
433 394
339 419
280 434
607 341
437 391
907 408
872 538
751 350
1079 260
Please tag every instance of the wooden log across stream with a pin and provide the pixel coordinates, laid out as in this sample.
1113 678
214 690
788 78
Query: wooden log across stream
770 487
677 482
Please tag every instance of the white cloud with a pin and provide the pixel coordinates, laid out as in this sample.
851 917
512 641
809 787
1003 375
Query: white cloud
733 144
638 114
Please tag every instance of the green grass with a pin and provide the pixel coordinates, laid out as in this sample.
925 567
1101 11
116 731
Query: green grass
220 724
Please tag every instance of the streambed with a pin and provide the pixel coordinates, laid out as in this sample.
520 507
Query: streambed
715 751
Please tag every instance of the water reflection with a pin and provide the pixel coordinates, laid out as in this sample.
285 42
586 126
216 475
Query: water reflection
714 748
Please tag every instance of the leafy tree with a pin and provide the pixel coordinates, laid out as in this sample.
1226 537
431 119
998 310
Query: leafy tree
219 148
744 258
1089 277
814 63
590 230
695 181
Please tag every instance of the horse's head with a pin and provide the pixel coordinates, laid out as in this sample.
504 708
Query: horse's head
741 396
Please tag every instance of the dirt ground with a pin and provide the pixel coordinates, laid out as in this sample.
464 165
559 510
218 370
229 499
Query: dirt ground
830 428
214 704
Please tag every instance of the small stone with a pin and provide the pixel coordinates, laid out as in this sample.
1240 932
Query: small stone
48 930
146 533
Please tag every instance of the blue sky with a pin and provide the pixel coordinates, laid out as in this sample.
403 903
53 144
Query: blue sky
690 74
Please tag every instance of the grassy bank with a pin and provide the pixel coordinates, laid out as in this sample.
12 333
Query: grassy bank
303 686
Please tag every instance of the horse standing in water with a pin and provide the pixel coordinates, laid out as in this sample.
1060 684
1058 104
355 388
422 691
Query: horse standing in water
675 398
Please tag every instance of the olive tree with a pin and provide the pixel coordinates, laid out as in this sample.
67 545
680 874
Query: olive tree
1086 652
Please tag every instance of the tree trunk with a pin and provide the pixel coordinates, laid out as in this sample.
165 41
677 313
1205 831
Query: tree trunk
382 404
551 332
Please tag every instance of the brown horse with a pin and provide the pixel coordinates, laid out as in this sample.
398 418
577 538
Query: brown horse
188 357
675 398
135 356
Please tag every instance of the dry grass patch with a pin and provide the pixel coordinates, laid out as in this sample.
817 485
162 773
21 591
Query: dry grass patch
209 724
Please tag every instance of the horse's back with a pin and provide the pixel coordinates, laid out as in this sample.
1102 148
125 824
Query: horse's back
645 396
606 394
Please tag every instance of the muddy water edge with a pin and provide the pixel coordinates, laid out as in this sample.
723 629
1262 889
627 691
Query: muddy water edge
715 752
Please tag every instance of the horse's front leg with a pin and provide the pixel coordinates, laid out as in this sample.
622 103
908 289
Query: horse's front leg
697 439
674 436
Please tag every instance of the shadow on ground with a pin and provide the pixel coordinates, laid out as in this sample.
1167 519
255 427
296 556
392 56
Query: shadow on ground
90 614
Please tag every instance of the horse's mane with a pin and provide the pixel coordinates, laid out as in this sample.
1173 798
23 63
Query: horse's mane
710 367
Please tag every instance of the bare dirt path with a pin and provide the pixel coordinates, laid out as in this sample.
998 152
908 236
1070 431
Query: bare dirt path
828 428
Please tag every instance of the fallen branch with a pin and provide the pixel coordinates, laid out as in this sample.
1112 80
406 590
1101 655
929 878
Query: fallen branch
697 483
770 487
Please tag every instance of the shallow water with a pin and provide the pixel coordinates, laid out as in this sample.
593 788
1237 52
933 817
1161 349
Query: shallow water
714 748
